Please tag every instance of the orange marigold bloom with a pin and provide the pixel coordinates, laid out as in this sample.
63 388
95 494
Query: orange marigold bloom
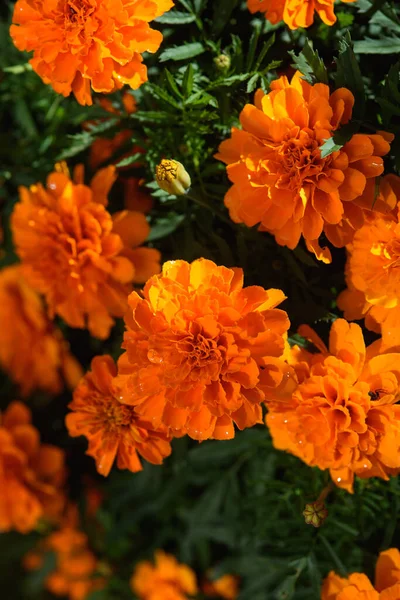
337 409
75 253
226 587
295 13
32 351
372 275
31 474
279 178
196 344
167 579
76 573
359 587
84 44
135 197
114 430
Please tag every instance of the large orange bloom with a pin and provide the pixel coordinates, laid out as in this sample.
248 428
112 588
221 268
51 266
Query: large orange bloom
84 44
195 346
372 274
32 351
76 573
295 13
167 579
76 254
359 587
337 409
31 473
279 178
113 429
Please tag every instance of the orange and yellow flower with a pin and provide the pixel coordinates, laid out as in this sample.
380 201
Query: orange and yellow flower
196 343
75 253
76 573
114 430
337 409
32 351
372 275
358 587
31 474
167 579
280 179
295 13
226 587
79 45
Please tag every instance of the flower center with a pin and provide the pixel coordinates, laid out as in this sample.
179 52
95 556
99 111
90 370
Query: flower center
76 13
298 158
115 415
200 351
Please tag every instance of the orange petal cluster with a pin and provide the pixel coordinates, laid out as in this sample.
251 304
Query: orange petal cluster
75 253
167 579
280 179
32 351
226 587
79 45
114 430
196 343
337 409
295 13
358 587
31 474
372 273
76 573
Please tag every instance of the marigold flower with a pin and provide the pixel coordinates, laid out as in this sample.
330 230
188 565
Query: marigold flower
196 344
32 351
372 276
135 198
359 587
337 409
295 13
75 253
84 44
172 177
226 587
76 574
114 430
31 474
279 178
167 579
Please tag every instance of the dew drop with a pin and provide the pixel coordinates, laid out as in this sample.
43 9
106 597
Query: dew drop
338 479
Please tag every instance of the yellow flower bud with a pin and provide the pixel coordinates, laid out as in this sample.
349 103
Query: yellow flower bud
172 177
315 513
222 62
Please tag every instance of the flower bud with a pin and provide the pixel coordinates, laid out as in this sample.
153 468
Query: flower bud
222 62
172 177
315 513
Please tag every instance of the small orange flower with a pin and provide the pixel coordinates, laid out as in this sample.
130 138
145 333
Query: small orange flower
195 347
338 409
167 579
75 253
31 474
372 274
226 587
279 178
359 587
75 575
84 44
295 13
32 350
114 430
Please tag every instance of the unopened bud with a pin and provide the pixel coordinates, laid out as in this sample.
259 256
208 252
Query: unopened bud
172 177
315 513
222 62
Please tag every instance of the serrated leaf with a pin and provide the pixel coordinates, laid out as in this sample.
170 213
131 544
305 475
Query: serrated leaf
188 80
385 45
310 65
129 160
182 52
252 83
348 75
329 146
165 226
176 17
172 84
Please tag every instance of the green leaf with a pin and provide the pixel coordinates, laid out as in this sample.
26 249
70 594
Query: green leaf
129 160
165 226
329 146
172 84
253 46
188 80
310 65
176 17
348 75
385 45
222 13
182 52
